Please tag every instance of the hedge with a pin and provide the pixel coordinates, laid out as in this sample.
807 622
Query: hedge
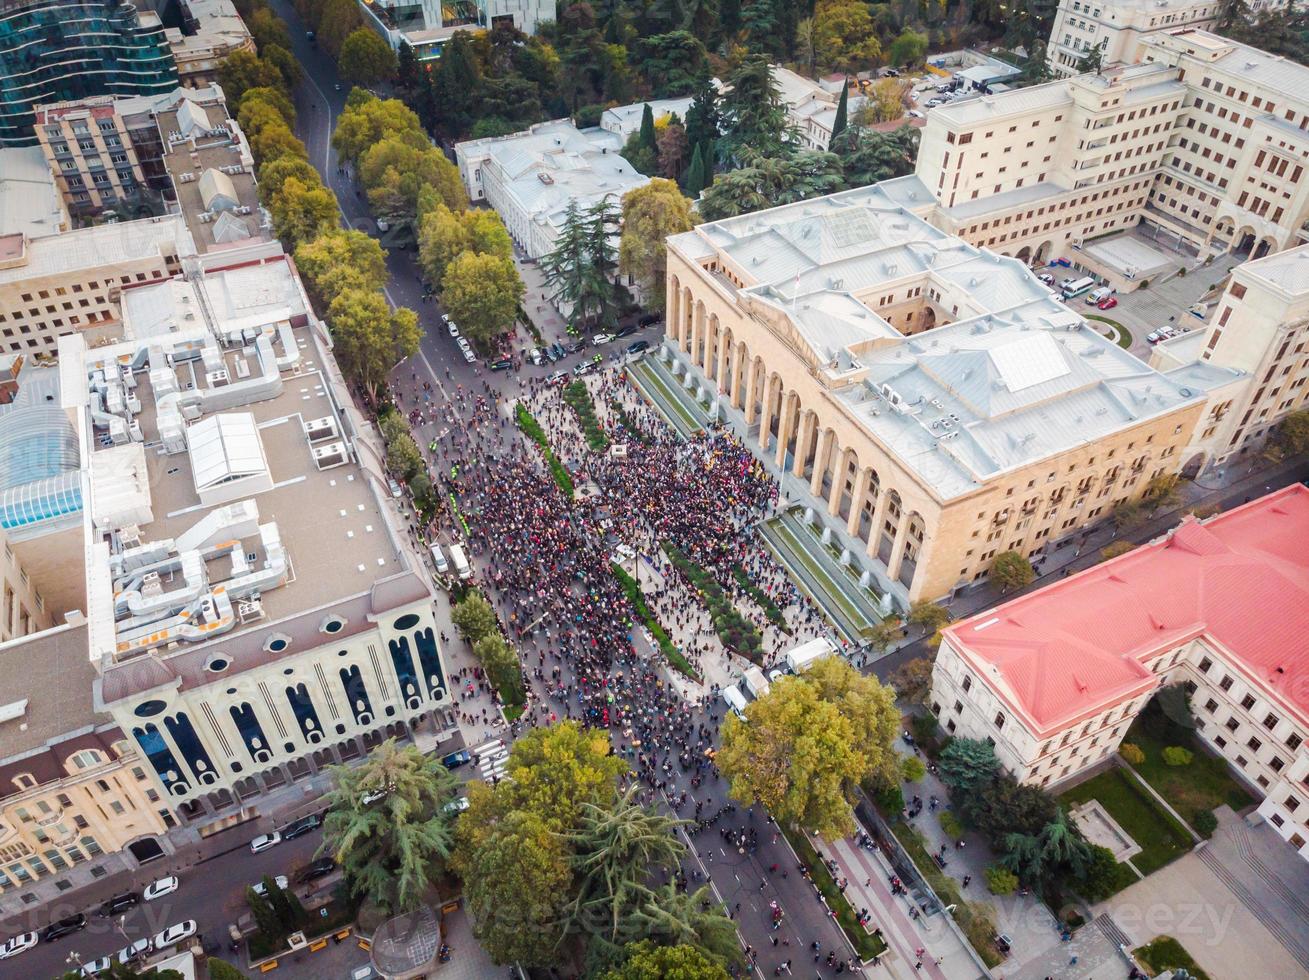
737 633
762 598
532 428
637 599
578 396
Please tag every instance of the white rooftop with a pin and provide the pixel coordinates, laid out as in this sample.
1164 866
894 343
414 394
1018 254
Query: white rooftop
223 448
626 119
29 199
89 248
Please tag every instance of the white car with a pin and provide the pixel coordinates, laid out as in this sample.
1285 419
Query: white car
160 888
264 841
19 944
371 797
914 113
97 967
175 933
456 806
258 887
469 356
451 326
138 949
463 343
601 338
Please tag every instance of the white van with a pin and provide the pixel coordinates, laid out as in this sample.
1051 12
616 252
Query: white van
1078 286
438 560
735 700
1096 295
460 560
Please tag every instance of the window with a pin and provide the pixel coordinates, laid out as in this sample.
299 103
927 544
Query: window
1254 745
1205 664
1247 702
1293 741
1211 706
1233 724
999 719
1270 722
1226 682
968 683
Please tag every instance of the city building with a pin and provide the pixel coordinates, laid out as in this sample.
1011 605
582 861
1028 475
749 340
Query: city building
425 25
932 398
1054 678
211 31
108 152
530 178
1116 27
73 282
624 120
58 50
1202 142
1250 360
30 202
252 609
811 106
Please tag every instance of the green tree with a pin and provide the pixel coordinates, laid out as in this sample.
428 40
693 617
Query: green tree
703 119
1000 880
928 616
341 259
908 49
274 98
274 173
773 181
501 666
912 680
285 62
1010 570
650 214
646 961
1102 875
367 120
912 769
243 70
967 764
868 156
267 28
558 769
302 212
290 913
1131 753
444 235
366 59
695 179
671 62
457 74
474 617
842 110
482 294
222 970
397 171
673 149
369 338
1162 492
646 134
843 35
1003 805
403 457
409 74
266 920
870 707
391 849
673 917
754 119
1175 755
337 19
1091 61
881 636
644 159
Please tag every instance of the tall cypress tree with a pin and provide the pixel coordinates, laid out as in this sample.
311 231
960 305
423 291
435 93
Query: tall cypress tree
694 182
839 123
648 129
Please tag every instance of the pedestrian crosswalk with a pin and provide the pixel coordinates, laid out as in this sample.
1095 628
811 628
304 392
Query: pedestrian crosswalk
492 757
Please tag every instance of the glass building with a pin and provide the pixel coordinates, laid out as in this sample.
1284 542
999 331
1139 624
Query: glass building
59 50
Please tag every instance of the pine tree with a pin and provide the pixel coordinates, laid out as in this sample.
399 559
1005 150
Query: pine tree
841 109
702 117
708 149
564 265
694 181
648 129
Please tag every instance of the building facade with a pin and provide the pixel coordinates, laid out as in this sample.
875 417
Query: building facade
211 31
426 25
1054 678
936 400
59 50
1116 26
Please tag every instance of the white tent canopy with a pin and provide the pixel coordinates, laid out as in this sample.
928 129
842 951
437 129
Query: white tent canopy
227 457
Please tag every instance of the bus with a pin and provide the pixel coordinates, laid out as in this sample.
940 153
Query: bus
1075 287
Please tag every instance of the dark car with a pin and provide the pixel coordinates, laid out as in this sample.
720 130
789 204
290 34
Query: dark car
504 364
550 354
637 347
558 349
648 319
576 346
119 903
64 927
319 869
302 826
456 759
626 331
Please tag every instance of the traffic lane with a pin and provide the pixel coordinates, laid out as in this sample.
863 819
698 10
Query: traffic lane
211 893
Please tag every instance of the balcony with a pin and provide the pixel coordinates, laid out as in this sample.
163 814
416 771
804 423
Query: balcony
50 819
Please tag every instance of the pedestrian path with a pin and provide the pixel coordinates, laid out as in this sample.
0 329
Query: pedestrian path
492 758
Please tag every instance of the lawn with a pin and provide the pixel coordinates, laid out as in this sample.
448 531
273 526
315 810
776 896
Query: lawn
1123 337
865 943
1162 839
1192 789
856 620
672 404
1166 953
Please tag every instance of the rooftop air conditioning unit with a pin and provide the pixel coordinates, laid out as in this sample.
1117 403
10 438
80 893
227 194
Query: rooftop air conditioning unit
329 455
316 430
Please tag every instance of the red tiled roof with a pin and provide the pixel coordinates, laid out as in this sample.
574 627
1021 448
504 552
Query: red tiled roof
1240 579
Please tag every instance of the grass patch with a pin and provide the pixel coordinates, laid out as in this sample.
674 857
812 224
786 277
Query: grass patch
673 405
761 598
1161 837
973 917
1123 336
737 633
637 599
858 621
513 712
578 396
1166 953
865 943
528 423
1191 789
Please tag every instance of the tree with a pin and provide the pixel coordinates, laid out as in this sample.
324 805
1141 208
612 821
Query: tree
671 62
444 235
912 769
338 18
870 707
267 28
556 770
290 913
754 118
367 120
842 111
928 616
397 171
650 214
274 98
1175 755
644 159
769 182
703 120
474 617
1000 880
695 179
1091 61
222 970
1162 492
391 849
1003 805
1102 875
456 76
403 457
1128 515
884 104
884 634
908 48
797 755
274 173
646 961
843 35
482 294
341 259
912 680
266 920
673 150
967 764
646 134
1131 753
285 62
1233 13
409 74
501 666
366 59
1116 548
243 70
302 212
868 156
370 339
1010 570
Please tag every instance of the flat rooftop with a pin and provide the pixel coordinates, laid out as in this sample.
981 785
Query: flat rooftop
100 246
1287 271
1240 579
29 198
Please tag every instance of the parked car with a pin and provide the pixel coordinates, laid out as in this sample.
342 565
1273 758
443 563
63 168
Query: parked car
1108 303
259 889
536 356
933 103
586 367
557 377
452 327
393 488
576 347
558 350
638 347
19 944
302 826
601 338
64 927
456 806
138 949
1046 278
97 967
648 319
915 114
264 841
160 888
119 903
456 759
469 356
504 364
463 343
319 869
175 934
626 331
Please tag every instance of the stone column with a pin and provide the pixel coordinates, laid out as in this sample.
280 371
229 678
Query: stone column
724 364
897 546
861 481
838 483
875 530
750 376
698 342
802 443
672 321
772 396
785 426
825 440
684 333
